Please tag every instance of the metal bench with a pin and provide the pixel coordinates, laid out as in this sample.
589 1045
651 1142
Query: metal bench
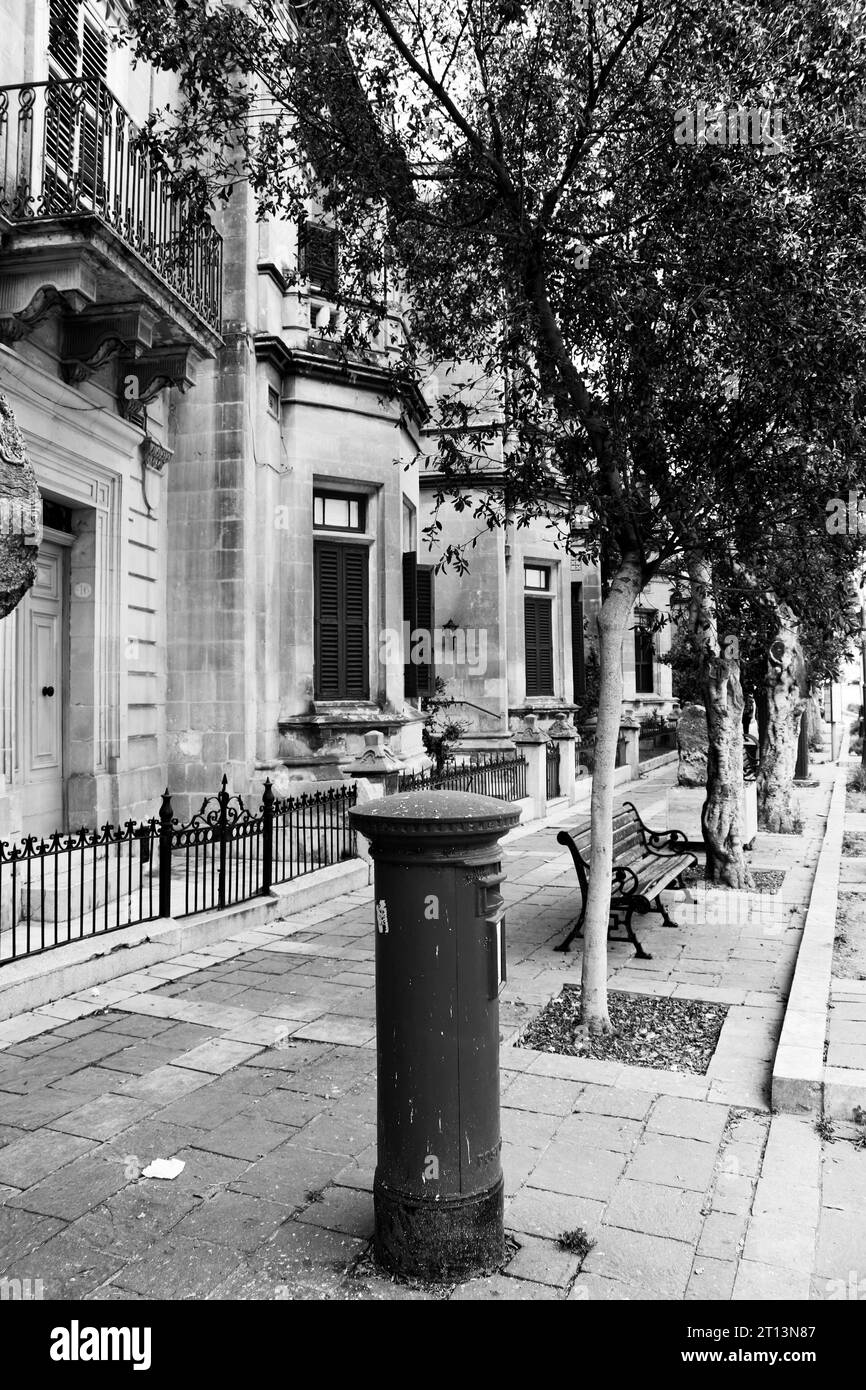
645 862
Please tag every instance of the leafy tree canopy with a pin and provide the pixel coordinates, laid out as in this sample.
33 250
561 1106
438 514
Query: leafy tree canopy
643 319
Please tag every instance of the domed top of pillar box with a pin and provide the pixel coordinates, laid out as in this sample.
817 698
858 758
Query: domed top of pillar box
421 819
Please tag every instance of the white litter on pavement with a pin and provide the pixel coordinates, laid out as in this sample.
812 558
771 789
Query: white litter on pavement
164 1168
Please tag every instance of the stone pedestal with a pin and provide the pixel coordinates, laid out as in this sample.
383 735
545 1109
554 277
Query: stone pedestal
630 731
564 735
376 774
532 743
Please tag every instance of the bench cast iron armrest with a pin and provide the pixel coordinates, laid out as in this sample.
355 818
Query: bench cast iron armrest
661 842
623 881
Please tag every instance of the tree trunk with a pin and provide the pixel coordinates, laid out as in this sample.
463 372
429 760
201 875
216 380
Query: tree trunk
784 684
721 814
613 620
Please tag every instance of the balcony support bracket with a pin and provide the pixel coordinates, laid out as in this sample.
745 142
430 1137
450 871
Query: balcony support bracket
143 377
92 337
18 324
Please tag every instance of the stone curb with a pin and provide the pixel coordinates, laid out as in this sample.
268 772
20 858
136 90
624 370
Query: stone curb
798 1069
35 980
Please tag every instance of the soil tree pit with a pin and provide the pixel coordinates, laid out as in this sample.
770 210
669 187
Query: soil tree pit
648 1031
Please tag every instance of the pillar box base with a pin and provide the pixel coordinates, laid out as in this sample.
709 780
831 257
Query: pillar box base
453 1239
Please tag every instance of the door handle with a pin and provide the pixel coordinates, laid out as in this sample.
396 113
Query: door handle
48 690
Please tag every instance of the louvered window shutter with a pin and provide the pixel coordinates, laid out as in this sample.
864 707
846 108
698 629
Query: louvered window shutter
410 616
318 257
94 52
91 152
577 648
426 622
530 646
60 110
545 647
59 143
63 35
356 648
538 635
340 621
327 621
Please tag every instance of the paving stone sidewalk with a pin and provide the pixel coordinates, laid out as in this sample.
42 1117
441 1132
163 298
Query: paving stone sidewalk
254 1062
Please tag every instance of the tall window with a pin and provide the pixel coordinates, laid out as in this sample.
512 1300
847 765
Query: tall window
538 631
341 599
644 653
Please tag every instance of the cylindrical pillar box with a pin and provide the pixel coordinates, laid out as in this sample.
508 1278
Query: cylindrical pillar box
440 963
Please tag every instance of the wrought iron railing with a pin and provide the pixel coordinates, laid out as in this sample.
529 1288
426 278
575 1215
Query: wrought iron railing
499 775
68 886
232 854
221 848
552 752
69 148
312 830
93 881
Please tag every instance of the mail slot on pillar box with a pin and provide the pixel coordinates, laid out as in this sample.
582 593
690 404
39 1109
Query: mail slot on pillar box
440 964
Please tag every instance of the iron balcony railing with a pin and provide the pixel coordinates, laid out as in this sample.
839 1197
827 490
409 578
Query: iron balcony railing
67 148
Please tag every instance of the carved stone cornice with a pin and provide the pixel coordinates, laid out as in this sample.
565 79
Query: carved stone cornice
324 361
